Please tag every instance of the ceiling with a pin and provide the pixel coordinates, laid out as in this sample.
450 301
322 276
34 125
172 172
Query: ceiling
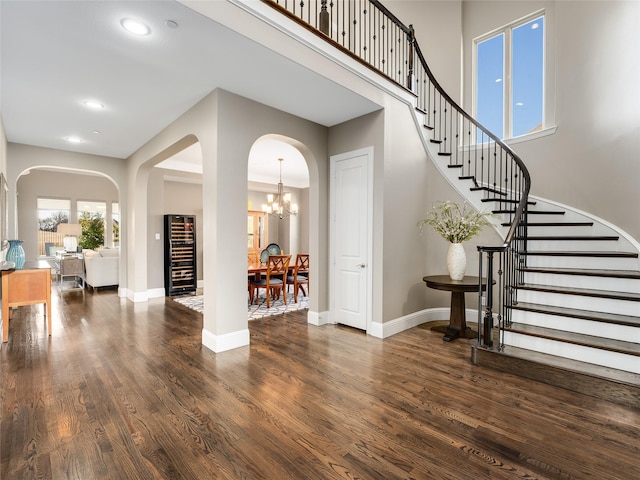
56 55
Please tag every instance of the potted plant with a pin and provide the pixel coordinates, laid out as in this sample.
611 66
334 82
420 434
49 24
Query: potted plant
455 224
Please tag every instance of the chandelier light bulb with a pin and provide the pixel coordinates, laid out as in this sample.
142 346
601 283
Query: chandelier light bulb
280 203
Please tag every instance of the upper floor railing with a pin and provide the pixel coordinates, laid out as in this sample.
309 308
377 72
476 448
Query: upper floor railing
370 33
365 29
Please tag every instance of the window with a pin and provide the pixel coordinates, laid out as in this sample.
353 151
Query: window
509 78
91 215
51 212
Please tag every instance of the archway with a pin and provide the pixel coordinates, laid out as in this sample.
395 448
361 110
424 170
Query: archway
72 189
290 231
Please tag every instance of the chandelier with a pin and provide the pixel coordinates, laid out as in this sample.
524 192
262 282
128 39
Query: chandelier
280 203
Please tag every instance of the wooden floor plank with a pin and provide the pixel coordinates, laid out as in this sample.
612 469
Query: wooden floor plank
124 391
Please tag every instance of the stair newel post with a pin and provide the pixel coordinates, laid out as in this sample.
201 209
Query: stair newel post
487 326
323 20
480 299
410 75
502 271
523 233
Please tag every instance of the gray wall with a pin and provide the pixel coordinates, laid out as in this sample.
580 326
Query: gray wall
593 71
176 198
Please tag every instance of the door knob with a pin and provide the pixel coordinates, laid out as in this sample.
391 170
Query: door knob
361 265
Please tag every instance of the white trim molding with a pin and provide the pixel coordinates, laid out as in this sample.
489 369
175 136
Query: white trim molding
400 324
228 341
318 318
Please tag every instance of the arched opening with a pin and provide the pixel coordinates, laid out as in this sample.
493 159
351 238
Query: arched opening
275 159
173 184
48 196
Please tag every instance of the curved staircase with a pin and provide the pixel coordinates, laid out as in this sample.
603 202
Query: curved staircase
575 316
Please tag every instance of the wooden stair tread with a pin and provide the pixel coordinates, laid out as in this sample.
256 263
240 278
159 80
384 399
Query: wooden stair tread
606 373
580 254
491 190
618 346
506 200
554 224
612 318
540 212
633 274
585 292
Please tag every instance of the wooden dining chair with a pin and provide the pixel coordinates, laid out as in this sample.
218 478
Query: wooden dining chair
273 281
299 275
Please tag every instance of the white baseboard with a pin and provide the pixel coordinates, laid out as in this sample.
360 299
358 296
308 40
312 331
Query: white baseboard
228 341
133 296
400 324
318 318
156 293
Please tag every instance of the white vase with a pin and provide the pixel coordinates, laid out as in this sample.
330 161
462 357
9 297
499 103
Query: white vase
456 261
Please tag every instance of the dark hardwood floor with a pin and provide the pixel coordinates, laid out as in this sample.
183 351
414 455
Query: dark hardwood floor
126 391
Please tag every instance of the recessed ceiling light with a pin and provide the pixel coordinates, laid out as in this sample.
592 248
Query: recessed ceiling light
74 139
134 26
93 104
171 24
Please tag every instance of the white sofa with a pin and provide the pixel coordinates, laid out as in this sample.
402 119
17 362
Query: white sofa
102 267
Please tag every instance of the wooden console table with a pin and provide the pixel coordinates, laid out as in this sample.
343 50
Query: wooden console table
28 285
457 327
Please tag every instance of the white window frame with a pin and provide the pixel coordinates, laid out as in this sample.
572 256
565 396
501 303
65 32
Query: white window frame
507 30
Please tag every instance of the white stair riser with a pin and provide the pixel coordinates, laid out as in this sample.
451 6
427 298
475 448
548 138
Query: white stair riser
623 333
593 304
559 231
619 361
573 246
629 285
602 263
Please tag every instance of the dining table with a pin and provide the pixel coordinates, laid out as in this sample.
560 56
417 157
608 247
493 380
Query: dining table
256 269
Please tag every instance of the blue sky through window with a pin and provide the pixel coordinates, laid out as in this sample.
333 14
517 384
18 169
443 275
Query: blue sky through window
526 80
527 58
491 84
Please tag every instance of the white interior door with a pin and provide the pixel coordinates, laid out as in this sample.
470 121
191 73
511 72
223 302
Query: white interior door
351 233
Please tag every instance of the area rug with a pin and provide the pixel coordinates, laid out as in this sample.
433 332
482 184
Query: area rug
195 302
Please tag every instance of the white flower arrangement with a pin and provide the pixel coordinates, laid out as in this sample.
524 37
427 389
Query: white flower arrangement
454 223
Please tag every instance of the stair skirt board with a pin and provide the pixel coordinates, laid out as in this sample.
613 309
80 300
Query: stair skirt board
580 302
594 263
619 361
623 333
612 284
